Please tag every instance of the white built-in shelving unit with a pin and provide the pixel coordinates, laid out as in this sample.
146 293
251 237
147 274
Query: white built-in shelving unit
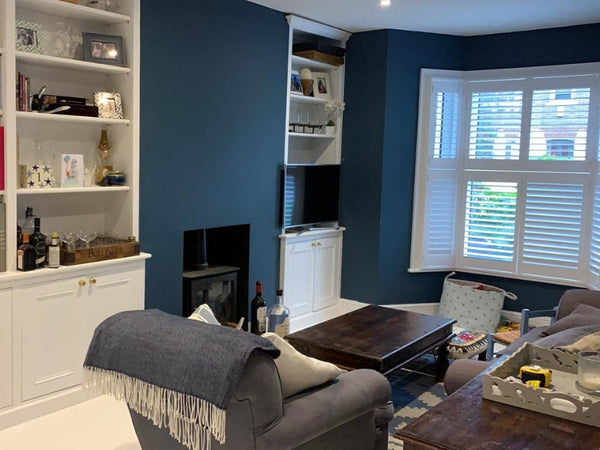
47 316
310 270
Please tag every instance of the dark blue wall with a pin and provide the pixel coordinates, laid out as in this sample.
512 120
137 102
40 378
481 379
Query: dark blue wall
386 158
213 89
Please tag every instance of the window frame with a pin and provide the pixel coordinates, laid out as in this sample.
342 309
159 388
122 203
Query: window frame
462 168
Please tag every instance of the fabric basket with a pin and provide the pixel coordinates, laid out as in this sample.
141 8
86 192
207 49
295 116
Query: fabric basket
475 306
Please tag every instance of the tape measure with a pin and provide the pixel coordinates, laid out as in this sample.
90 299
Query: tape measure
536 373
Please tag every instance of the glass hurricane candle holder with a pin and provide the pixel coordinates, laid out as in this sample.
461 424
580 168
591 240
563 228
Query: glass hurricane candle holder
588 372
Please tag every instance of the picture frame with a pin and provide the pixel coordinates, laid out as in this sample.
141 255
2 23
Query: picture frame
295 84
71 170
103 49
109 105
29 36
322 85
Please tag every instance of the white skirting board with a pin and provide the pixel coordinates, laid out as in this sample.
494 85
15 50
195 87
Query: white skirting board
345 306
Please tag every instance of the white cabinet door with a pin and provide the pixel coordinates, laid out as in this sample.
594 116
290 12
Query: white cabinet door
108 294
5 348
299 274
327 273
51 337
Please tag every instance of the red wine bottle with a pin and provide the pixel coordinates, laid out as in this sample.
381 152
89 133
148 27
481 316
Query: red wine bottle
258 312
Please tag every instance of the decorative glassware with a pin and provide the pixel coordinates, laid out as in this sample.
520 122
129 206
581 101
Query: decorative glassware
87 236
588 372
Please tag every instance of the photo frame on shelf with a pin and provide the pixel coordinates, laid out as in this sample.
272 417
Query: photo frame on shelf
103 49
29 36
295 84
322 85
109 105
72 170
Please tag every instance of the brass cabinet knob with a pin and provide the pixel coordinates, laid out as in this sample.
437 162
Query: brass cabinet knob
319 244
314 244
92 280
82 283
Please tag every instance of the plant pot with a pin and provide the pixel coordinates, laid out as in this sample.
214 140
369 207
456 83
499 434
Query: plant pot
330 130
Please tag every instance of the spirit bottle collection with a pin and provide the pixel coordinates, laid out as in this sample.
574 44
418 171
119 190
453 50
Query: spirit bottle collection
279 316
33 252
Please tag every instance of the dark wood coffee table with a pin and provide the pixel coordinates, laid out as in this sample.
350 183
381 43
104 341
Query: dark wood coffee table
466 420
375 337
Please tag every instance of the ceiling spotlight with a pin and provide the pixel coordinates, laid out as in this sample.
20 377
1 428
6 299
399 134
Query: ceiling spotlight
385 2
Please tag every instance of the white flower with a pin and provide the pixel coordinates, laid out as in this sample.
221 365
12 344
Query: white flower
333 109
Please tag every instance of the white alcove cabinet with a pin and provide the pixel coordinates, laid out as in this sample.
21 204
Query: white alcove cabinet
311 270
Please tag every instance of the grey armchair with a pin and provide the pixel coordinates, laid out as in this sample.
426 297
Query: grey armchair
350 412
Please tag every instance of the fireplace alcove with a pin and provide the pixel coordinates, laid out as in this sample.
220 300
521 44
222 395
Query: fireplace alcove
215 271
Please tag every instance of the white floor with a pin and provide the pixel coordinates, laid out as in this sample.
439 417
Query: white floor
102 423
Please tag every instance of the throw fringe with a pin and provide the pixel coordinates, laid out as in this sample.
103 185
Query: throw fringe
190 420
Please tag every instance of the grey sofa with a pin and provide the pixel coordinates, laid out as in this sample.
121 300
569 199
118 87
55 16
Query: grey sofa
350 412
462 371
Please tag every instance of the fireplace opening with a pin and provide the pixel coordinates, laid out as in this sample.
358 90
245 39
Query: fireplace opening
215 271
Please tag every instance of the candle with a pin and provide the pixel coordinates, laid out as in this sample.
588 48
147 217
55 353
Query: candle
588 371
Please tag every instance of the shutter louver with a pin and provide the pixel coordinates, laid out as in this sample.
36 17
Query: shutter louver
552 232
559 120
595 233
440 218
490 220
446 124
495 131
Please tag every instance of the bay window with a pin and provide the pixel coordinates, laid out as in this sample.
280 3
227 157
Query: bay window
506 180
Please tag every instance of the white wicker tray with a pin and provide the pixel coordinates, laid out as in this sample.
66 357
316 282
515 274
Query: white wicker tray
564 400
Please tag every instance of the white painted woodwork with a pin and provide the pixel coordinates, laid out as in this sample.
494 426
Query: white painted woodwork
327 272
50 348
46 318
299 266
5 348
59 320
311 270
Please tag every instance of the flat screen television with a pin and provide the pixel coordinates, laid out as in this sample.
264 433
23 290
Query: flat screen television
310 195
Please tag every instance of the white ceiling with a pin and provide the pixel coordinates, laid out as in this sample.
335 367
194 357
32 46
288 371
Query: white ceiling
457 17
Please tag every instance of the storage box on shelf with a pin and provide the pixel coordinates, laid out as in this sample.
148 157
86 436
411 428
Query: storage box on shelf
53 312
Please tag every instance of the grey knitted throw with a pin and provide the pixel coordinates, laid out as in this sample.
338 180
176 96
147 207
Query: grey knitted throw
177 372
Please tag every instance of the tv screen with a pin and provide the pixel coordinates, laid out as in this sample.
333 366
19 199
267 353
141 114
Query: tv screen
310 195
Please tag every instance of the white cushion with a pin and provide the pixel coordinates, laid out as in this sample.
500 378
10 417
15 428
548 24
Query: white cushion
297 371
204 314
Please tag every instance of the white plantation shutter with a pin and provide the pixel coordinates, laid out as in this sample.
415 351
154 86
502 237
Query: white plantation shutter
595 238
552 231
490 220
495 130
446 115
439 219
507 178
559 119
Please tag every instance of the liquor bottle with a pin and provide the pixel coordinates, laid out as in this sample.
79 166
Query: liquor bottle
279 316
38 240
26 255
19 236
54 252
258 307
29 225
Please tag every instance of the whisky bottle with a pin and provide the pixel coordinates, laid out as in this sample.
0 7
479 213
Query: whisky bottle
279 316
54 252
26 255
258 307
28 225
38 240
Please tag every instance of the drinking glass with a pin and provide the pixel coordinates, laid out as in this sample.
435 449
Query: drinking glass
87 236
69 238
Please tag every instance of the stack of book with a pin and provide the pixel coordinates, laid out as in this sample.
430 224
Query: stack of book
23 90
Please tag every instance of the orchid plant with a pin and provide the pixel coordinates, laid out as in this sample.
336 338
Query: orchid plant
333 109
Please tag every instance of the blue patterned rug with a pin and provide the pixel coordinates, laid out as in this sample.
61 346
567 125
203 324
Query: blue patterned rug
414 391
